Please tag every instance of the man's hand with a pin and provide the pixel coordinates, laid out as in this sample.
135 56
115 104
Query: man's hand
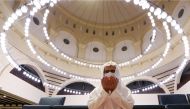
109 83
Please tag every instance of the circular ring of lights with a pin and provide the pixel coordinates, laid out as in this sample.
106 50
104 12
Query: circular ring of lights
57 50
166 47
59 71
46 13
43 61
158 10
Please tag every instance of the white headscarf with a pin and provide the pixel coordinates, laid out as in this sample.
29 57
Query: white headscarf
111 63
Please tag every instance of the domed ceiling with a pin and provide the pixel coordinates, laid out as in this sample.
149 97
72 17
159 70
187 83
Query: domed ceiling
102 12
106 21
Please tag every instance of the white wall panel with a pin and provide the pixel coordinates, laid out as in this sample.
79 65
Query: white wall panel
70 48
99 56
119 55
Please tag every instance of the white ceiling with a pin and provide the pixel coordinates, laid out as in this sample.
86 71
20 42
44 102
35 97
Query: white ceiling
102 11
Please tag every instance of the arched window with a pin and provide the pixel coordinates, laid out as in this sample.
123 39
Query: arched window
139 85
76 88
29 75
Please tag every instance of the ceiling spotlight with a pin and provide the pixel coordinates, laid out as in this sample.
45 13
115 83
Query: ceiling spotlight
14 16
18 12
42 2
127 0
151 9
173 23
169 19
136 2
10 20
29 76
24 73
147 5
157 12
149 14
37 4
177 27
51 4
32 78
24 9
55 1
36 79
180 31
164 15
32 13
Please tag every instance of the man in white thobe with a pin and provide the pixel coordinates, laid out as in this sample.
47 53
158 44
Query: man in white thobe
111 94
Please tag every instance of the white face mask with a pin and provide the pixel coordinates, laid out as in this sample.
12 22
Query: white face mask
109 74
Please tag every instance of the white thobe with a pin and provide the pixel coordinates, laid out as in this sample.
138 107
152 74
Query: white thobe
120 98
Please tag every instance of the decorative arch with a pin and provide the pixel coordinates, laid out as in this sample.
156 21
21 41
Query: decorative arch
147 78
34 66
95 51
124 51
67 43
88 88
20 59
136 85
31 71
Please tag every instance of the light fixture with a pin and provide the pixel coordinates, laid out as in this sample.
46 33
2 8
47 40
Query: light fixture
24 9
127 0
164 15
18 12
